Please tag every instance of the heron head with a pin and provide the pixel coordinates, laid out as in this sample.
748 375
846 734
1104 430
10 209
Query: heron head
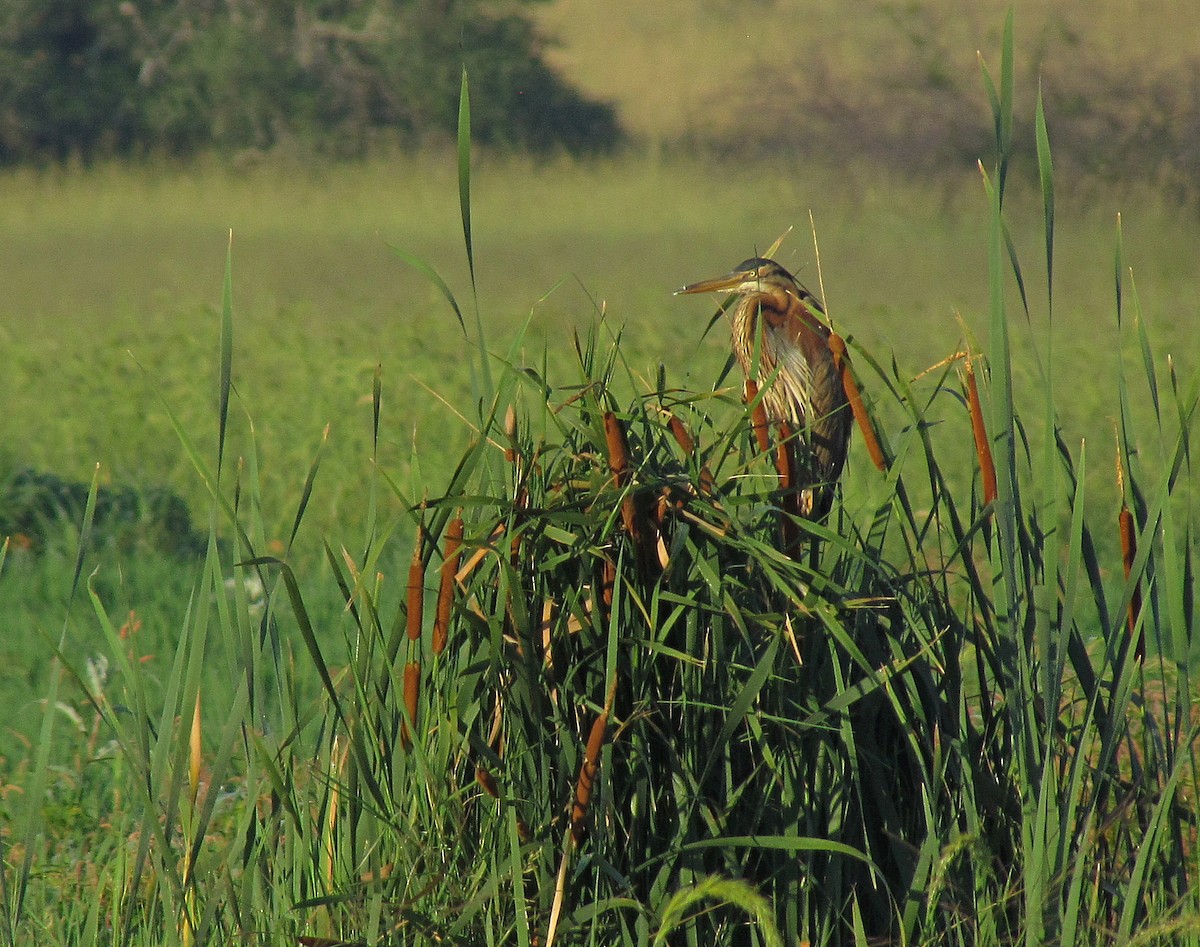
756 275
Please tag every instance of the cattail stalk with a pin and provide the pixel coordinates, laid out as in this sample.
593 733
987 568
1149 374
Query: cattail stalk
983 450
510 432
608 582
783 459
412 692
579 808
487 782
194 754
1128 529
840 360
636 520
416 589
618 448
684 439
587 772
618 463
587 777
187 931
451 559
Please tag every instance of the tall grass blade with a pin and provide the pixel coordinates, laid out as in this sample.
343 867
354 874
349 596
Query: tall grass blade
220 500
733 892
464 171
225 380
484 368
993 95
434 277
1049 646
1119 268
1046 177
1002 427
1006 104
1149 372
310 479
373 494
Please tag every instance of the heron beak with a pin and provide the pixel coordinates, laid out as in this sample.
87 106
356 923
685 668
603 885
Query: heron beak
728 282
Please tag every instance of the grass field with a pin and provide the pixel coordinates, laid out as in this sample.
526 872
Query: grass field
946 721
114 275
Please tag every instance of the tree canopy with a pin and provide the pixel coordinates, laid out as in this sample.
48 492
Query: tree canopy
97 77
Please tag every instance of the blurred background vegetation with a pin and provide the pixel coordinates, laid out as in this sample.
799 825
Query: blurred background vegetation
97 78
135 133
894 83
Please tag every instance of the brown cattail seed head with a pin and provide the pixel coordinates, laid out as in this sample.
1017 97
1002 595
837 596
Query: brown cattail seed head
983 450
412 692
838 346
451 558
416 590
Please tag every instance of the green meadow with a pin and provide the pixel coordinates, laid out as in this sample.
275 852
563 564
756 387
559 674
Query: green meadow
114 280
616 713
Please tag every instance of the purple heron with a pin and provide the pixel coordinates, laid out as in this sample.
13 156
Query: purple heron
787 353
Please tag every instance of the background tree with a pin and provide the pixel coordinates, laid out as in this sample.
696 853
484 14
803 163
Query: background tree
66 82
89 77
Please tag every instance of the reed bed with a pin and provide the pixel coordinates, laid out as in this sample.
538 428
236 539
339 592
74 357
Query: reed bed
633 719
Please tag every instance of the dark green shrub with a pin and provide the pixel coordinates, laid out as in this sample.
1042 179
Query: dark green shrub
41 507
93 78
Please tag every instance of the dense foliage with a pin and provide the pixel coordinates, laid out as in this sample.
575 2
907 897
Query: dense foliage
38 507
99 77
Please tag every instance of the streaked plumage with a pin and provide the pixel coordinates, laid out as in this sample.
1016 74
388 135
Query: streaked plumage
792 360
